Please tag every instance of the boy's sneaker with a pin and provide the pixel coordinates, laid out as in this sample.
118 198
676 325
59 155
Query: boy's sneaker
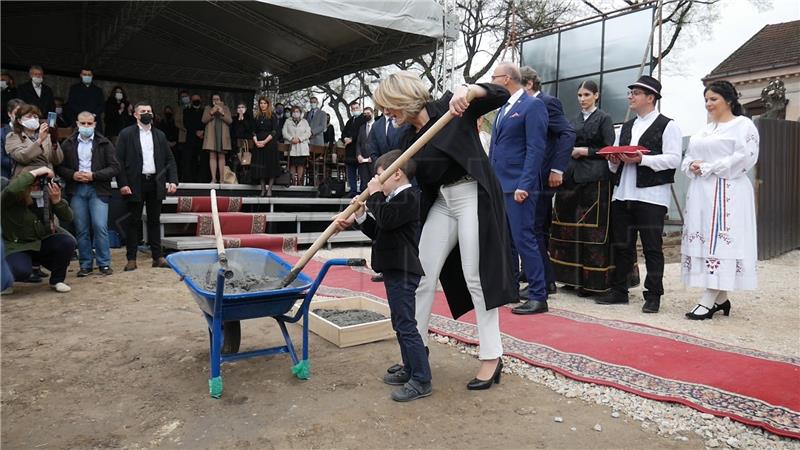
106 270
84 273
61 287
412 391
398 378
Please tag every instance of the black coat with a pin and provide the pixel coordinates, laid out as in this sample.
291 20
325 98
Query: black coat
595 133
351 131
85 98
6 95
104 164
394 231
114 120
459 142
129 154
45 103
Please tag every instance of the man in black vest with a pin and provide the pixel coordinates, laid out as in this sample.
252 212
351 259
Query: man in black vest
642 193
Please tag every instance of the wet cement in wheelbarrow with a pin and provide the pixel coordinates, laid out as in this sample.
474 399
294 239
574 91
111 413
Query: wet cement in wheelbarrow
347 317
244 282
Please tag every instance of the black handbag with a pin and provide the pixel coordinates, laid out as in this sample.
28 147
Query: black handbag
331 188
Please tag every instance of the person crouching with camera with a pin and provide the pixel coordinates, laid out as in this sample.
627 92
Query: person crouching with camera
29 231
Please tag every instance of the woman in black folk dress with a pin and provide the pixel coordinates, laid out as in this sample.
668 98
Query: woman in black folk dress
265 164
580 248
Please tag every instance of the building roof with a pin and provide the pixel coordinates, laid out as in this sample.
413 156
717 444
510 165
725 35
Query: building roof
774 46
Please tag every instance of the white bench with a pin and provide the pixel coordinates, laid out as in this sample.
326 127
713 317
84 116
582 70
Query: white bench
204 242
173 200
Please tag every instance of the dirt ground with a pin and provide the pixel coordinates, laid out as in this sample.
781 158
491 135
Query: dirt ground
122 361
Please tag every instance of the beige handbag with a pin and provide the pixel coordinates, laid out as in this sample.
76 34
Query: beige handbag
229 177
245 156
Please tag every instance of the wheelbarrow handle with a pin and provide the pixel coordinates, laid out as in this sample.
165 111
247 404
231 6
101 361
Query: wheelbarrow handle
387 172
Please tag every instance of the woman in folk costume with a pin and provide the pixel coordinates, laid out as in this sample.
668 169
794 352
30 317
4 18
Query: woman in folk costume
718 242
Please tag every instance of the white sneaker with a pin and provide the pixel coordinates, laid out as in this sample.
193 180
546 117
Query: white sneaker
61 287
9 290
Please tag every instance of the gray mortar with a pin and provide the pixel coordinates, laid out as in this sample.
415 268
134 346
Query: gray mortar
345 318
244 282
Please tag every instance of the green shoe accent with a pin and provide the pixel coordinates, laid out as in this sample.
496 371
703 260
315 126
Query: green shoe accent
215 387
301 370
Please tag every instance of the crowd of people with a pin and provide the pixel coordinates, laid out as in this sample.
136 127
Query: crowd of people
553 199
485 222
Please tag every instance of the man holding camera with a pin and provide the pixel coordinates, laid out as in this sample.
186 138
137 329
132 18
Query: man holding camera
147 174
90 162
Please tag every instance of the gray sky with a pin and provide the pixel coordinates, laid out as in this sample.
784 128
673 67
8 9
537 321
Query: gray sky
739 20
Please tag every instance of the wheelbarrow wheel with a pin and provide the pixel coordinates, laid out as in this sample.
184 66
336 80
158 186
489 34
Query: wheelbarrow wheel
231 336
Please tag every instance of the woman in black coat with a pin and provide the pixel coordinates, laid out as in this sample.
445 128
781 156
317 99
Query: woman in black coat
465 241
117 114
266 165
580 248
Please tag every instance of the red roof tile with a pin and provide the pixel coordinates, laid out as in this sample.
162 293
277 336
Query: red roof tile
776 45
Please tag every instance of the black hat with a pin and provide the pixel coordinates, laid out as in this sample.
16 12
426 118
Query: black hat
648 83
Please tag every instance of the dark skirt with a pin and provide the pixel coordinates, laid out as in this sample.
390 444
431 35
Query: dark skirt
298 160
265 163
580 241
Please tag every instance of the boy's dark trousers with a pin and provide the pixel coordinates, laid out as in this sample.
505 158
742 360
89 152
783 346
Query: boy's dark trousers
400 289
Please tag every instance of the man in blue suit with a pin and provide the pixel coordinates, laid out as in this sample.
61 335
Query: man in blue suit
384 137
516 152
560 141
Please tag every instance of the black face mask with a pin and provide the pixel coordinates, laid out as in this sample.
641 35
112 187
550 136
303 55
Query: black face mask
146 119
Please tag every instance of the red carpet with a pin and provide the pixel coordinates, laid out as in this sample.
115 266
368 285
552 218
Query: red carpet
203 204
746 385
231 223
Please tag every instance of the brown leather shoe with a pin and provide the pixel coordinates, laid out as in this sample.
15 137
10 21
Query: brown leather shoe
160 262
130 266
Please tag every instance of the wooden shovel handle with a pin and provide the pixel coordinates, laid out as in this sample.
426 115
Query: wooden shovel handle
387 172
217 229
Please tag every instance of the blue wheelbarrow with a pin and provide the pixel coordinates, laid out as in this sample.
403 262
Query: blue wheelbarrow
224 311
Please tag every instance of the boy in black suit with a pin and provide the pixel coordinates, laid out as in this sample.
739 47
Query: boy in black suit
393 225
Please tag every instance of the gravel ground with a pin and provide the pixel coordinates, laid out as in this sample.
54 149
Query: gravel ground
767 320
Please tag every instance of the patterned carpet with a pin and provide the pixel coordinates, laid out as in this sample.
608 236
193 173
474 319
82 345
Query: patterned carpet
747 385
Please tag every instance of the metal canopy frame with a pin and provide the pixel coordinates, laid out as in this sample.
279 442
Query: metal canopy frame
209 44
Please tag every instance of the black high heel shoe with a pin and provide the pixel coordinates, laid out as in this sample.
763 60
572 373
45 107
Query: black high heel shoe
479 385
724 307
696 314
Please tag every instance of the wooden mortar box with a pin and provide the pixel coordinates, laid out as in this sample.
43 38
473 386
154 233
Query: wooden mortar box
354 334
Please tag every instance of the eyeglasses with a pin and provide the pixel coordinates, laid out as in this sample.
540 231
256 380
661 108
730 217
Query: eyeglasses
635 92
498 76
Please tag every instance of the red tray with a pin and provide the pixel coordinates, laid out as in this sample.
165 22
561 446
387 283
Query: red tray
626 149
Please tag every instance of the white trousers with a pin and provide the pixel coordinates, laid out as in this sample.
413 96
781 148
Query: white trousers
454 219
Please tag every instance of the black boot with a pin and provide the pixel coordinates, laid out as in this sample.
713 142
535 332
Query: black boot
652 303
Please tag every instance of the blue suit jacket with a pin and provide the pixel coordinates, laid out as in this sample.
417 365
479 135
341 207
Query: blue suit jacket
377 144
518 145
560 138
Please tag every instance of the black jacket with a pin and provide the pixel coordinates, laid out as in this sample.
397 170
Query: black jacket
129 154
393 227
85 98
351 131
595 133
457 145
104 164
6 95
45 103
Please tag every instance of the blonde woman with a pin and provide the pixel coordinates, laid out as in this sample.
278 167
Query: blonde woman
465 242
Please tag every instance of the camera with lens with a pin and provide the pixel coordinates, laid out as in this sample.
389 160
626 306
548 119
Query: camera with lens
45 181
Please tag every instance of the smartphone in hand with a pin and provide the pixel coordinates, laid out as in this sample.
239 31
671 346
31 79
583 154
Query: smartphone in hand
51 119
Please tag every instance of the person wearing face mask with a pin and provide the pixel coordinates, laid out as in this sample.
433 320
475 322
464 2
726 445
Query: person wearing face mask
29 143
36 93
147 174
297 132
7 162
117 116
7 92
351 157
317 120
166 123
217 138
90 162
241 135
195 130
85 96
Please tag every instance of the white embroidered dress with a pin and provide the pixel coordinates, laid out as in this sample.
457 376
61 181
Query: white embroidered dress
718 242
